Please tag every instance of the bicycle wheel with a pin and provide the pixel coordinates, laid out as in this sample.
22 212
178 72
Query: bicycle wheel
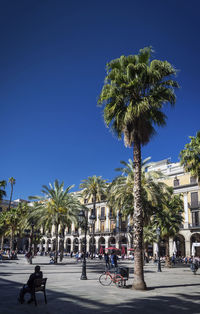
105 279
118 280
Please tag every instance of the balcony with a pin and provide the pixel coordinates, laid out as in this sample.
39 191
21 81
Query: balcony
194 205
75 233
194 226
102 217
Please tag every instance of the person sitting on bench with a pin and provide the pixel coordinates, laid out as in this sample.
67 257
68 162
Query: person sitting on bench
28 288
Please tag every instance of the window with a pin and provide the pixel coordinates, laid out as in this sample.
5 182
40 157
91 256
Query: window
1 209
176 182
103 197
85 201
194 199
195 218
193 180
102 211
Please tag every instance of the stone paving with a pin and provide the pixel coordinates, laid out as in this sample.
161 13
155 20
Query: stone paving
173 290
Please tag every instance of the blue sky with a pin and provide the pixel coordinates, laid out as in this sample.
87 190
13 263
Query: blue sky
52 69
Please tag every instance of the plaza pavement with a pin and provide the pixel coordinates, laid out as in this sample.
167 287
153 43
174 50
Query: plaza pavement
174 290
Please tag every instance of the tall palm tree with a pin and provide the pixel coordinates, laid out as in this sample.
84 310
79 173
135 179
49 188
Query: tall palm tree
190 156
12 182
93 188
134 93
2 189
57 207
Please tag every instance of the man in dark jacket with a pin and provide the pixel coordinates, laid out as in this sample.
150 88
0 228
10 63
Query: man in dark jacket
28 288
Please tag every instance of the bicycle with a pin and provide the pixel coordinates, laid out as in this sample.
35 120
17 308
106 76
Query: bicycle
107 278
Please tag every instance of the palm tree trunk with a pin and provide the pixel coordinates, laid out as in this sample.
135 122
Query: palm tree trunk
2 242
11 240
139 283
93 226
167 261
11 193
56 244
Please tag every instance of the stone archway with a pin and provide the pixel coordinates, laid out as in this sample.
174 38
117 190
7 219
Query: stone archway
101 244
61 245
49 245
111 242
75 245
90 246
54 244
195 238
68 245
123 244
180 245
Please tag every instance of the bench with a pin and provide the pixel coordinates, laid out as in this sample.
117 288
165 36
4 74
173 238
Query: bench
39 285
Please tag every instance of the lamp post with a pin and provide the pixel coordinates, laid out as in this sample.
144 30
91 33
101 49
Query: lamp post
158 243
92 219
84 224
119 226
31 240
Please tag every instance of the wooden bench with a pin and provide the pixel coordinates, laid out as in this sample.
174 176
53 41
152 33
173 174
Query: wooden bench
39 285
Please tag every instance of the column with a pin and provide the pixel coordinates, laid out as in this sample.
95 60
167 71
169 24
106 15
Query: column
171 245
187 248
106 242
97 222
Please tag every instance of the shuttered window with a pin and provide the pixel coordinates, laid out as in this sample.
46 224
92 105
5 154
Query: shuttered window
194 199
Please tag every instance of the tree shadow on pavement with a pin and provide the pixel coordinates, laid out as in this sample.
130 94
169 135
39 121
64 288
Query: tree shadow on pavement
85 302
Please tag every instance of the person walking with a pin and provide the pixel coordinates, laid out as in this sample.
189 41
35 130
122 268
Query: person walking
107 260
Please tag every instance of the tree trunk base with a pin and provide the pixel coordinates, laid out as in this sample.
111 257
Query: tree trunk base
139 286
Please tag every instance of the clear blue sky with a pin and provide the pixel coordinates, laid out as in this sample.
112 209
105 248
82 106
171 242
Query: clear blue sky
52 68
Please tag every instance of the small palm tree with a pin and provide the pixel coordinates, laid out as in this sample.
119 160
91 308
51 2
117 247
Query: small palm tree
169 219
2 189
57 207
133 96
190 156
93 188
12 182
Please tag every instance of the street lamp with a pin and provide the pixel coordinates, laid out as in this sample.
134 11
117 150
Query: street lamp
119 227
84 224
92 219
158 243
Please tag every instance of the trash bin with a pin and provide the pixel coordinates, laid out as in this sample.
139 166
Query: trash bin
124 272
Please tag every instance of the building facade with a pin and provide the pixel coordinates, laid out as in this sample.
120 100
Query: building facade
115 231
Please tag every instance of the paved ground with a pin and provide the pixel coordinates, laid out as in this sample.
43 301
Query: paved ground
172 291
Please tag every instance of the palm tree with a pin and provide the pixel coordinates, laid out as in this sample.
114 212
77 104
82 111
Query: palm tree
149 237
121 190
169 219
93 187
57 207
190 156
2 189
134 93
11 220
12 182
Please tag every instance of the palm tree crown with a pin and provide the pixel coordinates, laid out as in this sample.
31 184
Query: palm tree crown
134 92
190 156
